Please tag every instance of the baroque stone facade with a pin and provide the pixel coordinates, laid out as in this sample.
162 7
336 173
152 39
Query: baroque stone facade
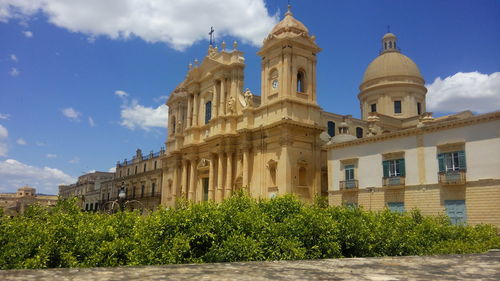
141 180
222 138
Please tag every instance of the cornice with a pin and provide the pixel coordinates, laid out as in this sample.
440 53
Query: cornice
446 125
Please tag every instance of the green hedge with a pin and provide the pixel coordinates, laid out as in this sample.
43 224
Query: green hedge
238 229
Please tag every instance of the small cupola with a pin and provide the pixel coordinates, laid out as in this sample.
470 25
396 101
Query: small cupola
389 43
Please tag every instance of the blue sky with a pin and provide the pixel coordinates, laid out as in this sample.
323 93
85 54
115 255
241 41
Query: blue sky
83 83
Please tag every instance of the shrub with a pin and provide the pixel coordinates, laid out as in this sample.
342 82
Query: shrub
238 229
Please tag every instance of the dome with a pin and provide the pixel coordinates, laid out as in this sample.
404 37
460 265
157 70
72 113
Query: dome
391 64
289 23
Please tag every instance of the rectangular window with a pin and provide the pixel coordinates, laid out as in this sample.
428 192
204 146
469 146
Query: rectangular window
331 128
153 185
205 189
155 165
452 161
142 191
208 112
397 106
359 132
419 108
133 192
349 172
144 167
374 107
394 168
397 207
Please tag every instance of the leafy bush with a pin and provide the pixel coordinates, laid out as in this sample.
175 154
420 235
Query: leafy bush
238 229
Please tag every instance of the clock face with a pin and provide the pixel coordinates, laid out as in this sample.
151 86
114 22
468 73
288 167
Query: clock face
275 83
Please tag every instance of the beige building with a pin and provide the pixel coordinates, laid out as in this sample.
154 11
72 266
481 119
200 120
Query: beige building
222 138
86 189
448 165
14 204
140 178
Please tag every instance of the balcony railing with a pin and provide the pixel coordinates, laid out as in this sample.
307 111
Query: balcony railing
452 177
392 182
349 185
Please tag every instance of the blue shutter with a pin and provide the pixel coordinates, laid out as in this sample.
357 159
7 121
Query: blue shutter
402 167
455 209
385 166
398 207
461 160
442 167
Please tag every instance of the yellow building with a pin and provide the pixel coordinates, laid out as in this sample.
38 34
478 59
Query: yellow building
14 204
141 180
222 138
448 165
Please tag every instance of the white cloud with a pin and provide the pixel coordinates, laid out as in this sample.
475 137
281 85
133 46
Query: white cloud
177 23
121 93
21 141
28 33
91 122
14 72
4 116
51 155
465 91
14 174
75 160
14 58
112 170
134 115
4 133
71 114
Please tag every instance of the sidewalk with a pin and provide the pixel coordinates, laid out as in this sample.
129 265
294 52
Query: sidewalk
452 267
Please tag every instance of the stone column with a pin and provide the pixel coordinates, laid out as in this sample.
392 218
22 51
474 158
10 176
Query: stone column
196 108
215 104
211 191
175 180
245 168
184 177
189 108
222 106
192 181
229 175
220 179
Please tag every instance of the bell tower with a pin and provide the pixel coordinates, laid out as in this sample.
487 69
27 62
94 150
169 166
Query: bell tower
289 63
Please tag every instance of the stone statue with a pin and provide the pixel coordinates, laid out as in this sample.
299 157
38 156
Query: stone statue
231 106
248 98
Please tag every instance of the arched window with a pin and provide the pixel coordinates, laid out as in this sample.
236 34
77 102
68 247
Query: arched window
300 82
385 45
359 132
208 111
390 44
331 128
302 176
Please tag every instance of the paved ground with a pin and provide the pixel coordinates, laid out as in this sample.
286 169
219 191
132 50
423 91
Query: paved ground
452 267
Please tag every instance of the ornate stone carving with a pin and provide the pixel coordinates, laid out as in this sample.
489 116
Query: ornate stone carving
231 106
248 98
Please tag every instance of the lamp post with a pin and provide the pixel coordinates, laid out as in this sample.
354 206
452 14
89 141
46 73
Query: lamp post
121 198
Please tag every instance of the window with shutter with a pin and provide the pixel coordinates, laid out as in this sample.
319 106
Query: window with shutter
208 112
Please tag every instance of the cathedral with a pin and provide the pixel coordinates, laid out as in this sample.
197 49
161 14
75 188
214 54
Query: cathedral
222 137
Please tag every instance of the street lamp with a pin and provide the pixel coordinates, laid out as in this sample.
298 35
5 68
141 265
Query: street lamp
121 197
